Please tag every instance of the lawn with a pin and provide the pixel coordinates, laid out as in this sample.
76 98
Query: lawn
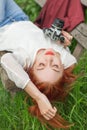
14 113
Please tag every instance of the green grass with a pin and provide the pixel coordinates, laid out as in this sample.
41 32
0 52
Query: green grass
30 7
14 113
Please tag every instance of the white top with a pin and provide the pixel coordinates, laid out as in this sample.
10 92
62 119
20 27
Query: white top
24 39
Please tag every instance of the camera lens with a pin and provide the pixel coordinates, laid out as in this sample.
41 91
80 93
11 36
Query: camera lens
62 39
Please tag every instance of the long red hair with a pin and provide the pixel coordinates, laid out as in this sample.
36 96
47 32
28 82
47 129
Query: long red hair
57 91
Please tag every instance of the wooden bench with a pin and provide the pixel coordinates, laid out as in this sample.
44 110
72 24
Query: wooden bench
79 33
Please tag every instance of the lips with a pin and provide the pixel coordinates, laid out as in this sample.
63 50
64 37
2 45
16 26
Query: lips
49 53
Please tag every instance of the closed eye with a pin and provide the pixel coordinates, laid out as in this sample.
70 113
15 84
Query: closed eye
41 66
56 68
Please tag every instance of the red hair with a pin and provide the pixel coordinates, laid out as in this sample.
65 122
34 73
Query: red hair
55 91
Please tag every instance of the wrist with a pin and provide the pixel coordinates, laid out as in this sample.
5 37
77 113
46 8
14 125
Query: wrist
39 97
33 91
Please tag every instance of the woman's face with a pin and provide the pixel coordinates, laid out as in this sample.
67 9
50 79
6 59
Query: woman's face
47 66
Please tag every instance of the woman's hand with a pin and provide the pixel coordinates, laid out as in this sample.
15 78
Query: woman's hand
68 39
46 109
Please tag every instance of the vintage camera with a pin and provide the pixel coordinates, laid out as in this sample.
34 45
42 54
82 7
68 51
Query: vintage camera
54 32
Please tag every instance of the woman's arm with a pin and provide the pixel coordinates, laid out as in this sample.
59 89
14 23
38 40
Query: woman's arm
14 70
17 74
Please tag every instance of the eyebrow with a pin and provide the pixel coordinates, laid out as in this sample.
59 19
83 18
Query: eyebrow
56 70
52 69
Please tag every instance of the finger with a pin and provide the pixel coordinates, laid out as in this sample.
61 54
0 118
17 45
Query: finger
67 35
69 38
67 42
46 117
54 110
51 114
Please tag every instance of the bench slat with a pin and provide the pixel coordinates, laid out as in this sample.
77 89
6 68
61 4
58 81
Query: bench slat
82 27
80 38
40 2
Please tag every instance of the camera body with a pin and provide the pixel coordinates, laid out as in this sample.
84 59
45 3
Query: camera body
54 32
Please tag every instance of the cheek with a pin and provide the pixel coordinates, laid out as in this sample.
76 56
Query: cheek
38 59
36 62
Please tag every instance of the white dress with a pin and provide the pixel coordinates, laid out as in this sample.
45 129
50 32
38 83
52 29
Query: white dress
24 39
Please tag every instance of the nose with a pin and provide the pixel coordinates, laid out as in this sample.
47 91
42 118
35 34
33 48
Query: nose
49 59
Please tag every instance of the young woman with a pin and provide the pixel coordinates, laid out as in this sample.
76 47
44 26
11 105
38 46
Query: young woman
34 62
